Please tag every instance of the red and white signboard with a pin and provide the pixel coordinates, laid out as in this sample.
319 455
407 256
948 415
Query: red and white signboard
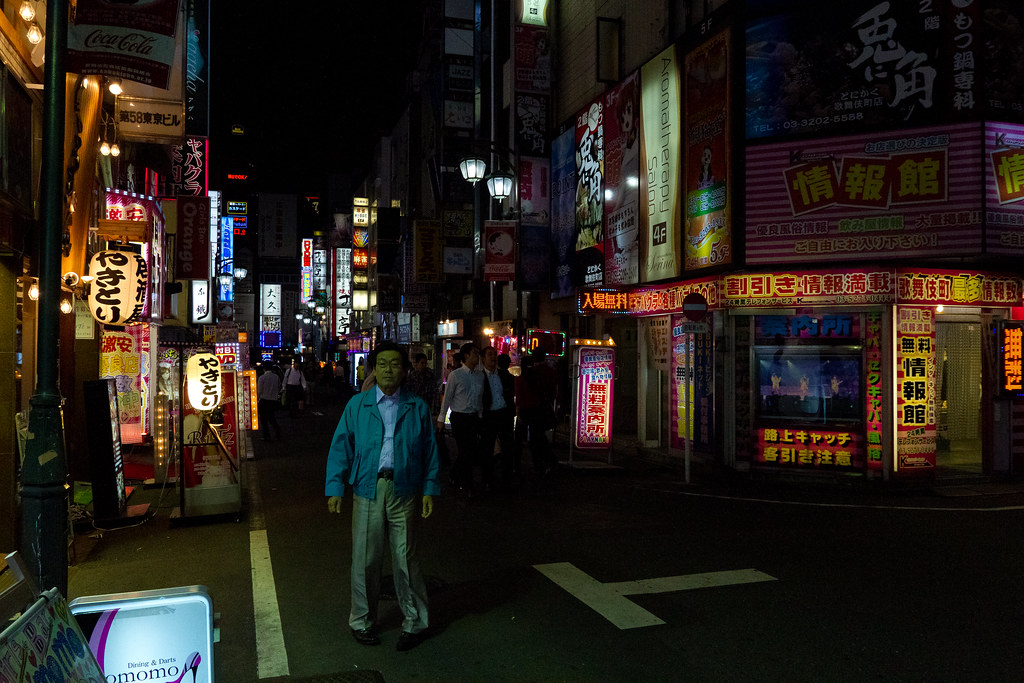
594 388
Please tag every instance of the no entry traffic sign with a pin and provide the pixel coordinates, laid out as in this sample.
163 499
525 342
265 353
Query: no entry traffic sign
695 306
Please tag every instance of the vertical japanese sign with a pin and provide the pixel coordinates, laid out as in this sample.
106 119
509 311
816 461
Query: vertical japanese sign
594 390
708 146
661 138
342 290
227 256
873 386
622 183
915 387
270 312
1004 191
189 167
588 264
427 252
563 217
197 67
1011 363
306 271
701 364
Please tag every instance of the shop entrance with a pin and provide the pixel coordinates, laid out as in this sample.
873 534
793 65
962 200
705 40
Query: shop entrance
958 370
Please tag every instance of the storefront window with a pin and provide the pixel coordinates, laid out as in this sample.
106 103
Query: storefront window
809 384
808 368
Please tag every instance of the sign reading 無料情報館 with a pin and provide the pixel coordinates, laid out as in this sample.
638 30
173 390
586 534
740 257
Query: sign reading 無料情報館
916 443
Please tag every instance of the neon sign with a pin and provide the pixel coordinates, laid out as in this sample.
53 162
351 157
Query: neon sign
1010 358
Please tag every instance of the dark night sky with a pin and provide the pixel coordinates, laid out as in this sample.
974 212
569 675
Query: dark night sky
314 91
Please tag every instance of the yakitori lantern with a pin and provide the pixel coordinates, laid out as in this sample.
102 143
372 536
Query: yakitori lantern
118 290
202 381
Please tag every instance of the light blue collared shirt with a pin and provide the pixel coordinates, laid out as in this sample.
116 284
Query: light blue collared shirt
497 391
388 407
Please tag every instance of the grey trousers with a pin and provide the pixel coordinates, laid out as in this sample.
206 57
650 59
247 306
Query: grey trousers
392 520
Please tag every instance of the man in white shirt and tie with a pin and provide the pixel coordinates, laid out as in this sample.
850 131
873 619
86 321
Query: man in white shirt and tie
463 395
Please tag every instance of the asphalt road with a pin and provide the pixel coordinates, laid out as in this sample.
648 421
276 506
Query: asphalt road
600 576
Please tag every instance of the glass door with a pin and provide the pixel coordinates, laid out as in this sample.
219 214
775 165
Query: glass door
958 368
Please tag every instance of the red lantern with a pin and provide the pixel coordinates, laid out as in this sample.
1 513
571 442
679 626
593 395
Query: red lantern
118 290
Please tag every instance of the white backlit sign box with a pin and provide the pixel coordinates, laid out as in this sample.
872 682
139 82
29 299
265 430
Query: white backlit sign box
156 635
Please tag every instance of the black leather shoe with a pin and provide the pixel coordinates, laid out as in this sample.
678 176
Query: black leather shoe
407 641
366 636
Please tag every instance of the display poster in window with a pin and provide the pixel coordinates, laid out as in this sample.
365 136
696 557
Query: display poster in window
701 391
915 389
594 390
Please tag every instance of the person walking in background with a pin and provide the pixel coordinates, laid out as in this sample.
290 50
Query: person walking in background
535 406
498 417
295 388
421 380
463 394
268 398
384 447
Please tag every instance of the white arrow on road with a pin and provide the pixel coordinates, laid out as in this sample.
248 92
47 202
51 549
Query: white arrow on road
608 599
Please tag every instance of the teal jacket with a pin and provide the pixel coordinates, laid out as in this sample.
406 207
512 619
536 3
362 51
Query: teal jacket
354 456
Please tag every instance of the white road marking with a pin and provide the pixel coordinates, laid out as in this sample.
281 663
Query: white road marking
607 599
271 655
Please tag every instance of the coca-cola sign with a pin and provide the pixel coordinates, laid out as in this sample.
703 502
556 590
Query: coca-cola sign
133 42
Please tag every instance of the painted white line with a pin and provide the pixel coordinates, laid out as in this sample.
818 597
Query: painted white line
607 599
271 655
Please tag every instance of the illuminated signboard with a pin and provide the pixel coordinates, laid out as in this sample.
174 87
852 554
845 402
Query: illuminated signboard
603 301
153 635
810 448
873 396
307 287
360 259
238 207
240 223
227 354
1010 360
237 176
361 216
594 388
319 269
270 339
360 238
915 388
227 251
550 342
306 260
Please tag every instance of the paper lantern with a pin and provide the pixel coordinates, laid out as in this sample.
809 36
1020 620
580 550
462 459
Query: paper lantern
118 290
202 381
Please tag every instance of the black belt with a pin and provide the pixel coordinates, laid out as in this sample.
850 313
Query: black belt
388 474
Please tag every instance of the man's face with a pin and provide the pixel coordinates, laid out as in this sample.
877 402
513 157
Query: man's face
420 365
490 359
389 371
473 359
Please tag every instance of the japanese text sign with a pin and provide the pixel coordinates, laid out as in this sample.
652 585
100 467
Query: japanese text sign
594 390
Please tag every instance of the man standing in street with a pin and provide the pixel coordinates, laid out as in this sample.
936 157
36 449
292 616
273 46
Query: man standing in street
463 394
421 380
499 413
268 395
384 447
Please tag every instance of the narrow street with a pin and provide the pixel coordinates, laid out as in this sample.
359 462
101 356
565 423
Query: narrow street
863 586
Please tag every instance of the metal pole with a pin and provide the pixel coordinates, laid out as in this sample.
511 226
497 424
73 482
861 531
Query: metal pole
44 473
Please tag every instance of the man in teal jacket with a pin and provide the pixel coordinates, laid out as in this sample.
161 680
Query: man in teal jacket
384 447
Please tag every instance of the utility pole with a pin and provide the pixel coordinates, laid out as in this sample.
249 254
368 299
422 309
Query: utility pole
44 507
